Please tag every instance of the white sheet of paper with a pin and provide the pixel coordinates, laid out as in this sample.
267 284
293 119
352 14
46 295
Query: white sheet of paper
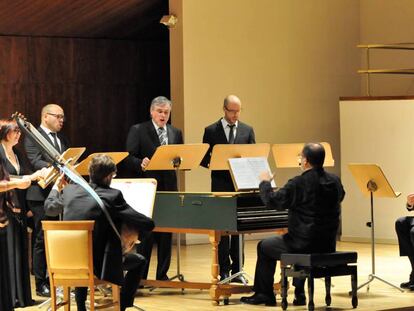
139 195
246 172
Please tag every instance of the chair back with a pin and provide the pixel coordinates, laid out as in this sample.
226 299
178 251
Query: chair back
69 256
68 246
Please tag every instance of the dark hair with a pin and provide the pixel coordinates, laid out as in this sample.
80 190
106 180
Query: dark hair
100 167
315 154
6 126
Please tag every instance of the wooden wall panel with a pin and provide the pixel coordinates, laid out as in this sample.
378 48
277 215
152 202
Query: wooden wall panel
104 86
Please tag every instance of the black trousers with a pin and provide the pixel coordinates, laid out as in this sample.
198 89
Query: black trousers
164 242
228 248
39 255
404 226
268 253
134 265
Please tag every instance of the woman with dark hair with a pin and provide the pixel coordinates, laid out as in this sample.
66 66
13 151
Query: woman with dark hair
6 188
17 240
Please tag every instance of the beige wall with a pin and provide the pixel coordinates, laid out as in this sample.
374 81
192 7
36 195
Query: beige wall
388 21
289 61
379 132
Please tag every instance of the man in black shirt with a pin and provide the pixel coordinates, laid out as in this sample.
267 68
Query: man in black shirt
404 226
313 200
109 261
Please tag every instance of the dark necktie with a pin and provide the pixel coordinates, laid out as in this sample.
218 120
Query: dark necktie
162 135
55 142
231 134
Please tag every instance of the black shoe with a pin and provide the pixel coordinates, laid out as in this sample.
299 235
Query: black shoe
299 300
411 287
258 299
43 291
406 284
410 282
239 279
224 275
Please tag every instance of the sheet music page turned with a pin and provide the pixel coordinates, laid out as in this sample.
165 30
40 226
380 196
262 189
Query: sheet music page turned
139 195
245 172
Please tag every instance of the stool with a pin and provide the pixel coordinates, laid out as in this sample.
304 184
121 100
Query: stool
312 266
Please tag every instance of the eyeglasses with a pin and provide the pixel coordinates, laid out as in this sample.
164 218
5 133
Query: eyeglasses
232 111
17 130
57 116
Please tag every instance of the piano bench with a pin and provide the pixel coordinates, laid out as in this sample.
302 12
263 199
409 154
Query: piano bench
324 265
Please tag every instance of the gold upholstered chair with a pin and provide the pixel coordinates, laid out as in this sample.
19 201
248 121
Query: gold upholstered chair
70 262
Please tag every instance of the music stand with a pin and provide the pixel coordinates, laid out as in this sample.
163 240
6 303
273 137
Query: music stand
82 167
177 157
220 161
372 182
288 155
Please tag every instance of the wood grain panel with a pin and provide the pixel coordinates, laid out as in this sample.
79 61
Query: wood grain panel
79 18
104 86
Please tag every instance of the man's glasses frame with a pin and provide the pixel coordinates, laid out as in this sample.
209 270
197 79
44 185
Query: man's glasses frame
57 116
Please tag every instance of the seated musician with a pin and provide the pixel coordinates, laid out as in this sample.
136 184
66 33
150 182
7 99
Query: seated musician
313 201
404 226
109 262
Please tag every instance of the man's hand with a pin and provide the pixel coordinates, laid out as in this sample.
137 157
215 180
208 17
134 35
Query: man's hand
410 199
265 176
144 163
60 183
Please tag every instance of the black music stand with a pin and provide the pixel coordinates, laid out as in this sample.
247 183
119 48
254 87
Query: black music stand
372 182
220 161
179 158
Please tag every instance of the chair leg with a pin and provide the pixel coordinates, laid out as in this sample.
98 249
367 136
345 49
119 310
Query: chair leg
284 289
66 298
311 305
116 297
92 298
53 304
328 298
354 286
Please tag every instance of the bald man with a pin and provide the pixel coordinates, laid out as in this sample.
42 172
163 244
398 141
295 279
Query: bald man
52 119
227 130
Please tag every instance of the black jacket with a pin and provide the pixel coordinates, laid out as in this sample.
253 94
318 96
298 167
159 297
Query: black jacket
77 204
214 134
142 142
313 200
39 160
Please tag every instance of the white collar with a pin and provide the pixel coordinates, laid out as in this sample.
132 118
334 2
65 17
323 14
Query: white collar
47 131
157 127
225 123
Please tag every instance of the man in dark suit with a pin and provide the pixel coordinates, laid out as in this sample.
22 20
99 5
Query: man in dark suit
52 118
227 130
77 204
143 139
313 200
404 226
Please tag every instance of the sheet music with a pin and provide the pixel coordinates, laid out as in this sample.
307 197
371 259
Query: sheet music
139 195
246 171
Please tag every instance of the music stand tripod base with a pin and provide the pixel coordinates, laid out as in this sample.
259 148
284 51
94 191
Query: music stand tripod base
372 181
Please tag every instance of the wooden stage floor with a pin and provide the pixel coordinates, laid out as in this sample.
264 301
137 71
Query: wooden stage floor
195 265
